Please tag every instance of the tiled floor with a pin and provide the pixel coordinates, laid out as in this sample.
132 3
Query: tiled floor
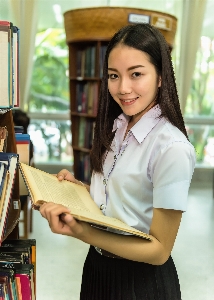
60 258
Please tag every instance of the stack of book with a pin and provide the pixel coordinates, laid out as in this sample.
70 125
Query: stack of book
17 257
18 270
86 62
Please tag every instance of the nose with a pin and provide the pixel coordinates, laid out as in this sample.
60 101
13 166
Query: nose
124 86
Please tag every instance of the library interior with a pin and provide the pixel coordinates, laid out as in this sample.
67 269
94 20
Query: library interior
52 55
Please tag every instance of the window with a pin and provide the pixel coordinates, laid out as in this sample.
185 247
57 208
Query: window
200 105
48 106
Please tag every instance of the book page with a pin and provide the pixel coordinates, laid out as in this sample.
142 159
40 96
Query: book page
45 187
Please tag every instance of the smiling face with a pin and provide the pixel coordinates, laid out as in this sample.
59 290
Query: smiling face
133 81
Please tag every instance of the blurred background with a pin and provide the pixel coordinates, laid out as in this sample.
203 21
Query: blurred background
44 80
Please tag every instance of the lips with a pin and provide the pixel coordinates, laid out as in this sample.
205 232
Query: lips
128 101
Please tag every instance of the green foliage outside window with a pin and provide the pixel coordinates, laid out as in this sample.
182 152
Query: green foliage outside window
200 102
49 93
49 89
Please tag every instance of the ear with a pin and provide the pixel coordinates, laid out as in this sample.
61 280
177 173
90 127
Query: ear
159 81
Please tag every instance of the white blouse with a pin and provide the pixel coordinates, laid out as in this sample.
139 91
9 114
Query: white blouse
152 167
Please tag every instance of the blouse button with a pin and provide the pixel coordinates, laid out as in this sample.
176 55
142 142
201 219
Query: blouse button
104 181
115 157
102 206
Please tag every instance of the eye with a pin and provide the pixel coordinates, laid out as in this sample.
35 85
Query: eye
112 76
136 74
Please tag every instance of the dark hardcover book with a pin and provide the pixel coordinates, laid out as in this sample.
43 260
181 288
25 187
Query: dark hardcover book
25 251
3 171
87 62
101 58
10 256
19 129
79 91
82 128
92 61
11 161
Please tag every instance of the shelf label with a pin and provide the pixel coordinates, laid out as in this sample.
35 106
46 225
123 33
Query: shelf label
161 22
15 204
136 18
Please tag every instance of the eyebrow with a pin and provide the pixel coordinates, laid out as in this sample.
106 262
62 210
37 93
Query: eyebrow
130 68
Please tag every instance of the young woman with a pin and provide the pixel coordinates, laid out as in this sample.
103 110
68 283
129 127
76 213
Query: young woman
142 165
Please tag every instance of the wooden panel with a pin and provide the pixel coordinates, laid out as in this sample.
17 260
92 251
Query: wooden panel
100 23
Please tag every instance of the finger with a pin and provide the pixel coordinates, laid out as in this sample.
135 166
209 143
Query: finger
49 210
66 175
63 174
67 218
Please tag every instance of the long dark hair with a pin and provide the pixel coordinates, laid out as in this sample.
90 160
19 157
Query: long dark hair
148 39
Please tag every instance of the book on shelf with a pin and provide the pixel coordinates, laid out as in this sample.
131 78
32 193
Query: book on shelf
9 65
80 63
7 284
81 97
20 282
15 56
3 171
103 49
82 129
86 62
23 149
87 97
86 132
19 256
44 187
90 53
10 160
30 244
95 98
84 167
3 138
90 98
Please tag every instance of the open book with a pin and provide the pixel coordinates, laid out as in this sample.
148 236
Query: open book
44 187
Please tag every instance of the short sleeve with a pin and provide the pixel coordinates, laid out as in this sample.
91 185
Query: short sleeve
172 171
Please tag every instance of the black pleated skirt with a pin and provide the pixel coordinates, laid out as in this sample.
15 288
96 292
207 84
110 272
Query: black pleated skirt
107 278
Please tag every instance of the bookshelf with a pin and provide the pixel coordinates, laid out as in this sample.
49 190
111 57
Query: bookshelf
6 119
87 34
18 263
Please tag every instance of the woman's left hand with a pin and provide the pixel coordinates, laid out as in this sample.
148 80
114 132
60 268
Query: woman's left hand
62 222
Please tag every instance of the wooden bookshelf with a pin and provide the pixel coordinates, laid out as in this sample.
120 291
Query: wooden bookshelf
12 232
88 32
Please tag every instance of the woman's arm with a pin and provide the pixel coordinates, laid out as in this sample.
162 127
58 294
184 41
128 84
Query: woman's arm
164 228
